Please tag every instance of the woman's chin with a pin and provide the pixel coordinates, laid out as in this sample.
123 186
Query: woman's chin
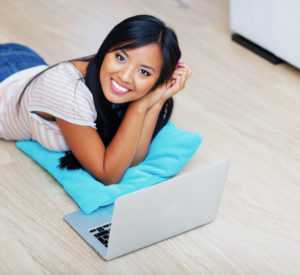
113 98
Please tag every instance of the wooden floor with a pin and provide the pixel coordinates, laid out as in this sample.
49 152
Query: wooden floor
246 109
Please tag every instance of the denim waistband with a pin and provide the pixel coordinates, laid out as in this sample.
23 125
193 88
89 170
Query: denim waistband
16 57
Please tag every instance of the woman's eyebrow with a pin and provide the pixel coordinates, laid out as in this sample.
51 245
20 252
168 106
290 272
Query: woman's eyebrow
146 66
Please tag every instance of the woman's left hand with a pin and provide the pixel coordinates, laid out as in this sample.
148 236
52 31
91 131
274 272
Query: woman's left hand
168 89
177 81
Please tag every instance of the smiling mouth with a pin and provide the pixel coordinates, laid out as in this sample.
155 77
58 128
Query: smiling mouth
117 88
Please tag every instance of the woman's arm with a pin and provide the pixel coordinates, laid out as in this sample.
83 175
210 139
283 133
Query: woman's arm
164 92
147 132
108 165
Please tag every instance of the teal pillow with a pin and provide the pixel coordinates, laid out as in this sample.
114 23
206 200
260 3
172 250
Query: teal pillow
168 153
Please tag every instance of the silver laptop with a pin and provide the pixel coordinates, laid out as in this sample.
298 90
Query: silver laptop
155 213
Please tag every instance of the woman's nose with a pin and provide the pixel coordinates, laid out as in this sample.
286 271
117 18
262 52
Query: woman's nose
127 74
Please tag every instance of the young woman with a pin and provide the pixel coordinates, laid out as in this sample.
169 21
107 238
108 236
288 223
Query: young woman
104 109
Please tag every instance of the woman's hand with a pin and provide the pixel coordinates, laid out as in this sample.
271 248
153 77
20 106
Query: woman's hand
177 81
168 89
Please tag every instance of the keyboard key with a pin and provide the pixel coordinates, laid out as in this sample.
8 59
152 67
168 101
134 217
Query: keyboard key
98 235
104 242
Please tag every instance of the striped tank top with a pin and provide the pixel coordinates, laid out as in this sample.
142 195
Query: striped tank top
60 92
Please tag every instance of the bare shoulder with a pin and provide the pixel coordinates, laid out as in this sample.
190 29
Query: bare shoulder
81 66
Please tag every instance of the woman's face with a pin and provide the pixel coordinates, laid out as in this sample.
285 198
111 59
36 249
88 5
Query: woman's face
128 74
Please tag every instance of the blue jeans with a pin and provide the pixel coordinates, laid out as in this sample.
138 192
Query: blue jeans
16 57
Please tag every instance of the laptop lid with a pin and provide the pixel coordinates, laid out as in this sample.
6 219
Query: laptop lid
163 210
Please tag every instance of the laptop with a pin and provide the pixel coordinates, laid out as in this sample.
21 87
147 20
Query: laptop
150 215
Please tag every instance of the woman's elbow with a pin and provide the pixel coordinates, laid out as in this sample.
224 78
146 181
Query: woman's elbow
138 159
108 179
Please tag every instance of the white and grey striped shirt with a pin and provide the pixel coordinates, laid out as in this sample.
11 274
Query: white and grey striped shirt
60 92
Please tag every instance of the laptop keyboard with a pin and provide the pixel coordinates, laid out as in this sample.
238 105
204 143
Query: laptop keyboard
101 233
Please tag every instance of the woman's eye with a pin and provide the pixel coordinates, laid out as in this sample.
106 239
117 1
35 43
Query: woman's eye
119 57
145 73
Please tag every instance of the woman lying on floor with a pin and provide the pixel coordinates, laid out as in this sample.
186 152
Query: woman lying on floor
104 109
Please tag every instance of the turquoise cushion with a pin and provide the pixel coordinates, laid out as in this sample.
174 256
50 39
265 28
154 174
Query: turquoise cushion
168 153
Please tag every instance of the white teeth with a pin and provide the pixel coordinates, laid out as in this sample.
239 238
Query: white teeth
119 88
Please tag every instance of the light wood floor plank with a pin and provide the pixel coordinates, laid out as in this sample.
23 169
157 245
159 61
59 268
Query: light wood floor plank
246 109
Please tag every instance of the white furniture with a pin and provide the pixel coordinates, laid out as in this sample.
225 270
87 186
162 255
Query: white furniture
271 24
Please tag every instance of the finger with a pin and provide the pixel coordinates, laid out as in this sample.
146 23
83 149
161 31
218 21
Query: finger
183 79
184 74
189 72
182 71
179 80
186 67
178 84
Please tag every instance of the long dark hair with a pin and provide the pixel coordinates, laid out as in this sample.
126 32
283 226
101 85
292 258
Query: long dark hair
133 32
